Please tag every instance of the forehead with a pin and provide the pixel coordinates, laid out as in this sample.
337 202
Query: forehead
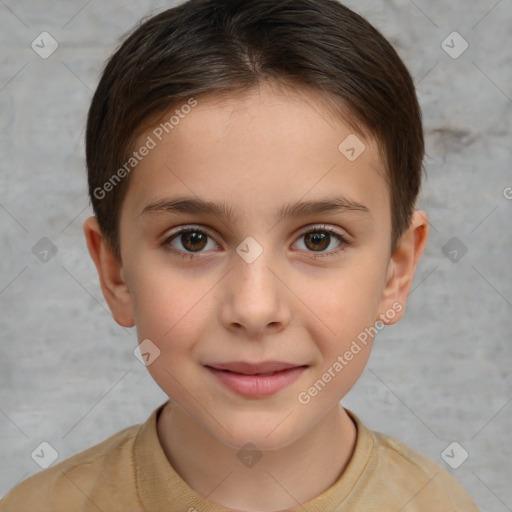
268 145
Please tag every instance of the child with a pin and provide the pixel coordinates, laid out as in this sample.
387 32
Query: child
287 137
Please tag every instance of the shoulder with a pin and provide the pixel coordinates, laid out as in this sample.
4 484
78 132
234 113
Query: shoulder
389 475
423 480
77 482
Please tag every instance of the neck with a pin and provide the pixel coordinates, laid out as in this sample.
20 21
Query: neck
281 479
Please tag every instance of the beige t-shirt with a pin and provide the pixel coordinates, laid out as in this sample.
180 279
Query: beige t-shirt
129 472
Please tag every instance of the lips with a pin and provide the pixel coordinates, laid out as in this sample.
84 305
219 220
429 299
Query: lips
256 381
266 368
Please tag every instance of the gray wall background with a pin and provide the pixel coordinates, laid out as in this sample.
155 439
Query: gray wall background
67 372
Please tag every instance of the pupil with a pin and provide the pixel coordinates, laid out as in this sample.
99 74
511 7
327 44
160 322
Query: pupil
318 238
196 239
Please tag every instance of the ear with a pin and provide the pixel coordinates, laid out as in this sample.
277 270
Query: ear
110 272
401 268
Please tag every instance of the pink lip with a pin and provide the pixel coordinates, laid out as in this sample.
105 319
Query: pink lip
252 368
256 386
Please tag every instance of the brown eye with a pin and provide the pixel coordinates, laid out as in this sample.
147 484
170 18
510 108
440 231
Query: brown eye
317 241
193 240
188 242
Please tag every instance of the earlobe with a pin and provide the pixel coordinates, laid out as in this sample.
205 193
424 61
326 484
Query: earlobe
111 274
402 266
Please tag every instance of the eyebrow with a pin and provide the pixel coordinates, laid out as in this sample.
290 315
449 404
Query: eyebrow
196 205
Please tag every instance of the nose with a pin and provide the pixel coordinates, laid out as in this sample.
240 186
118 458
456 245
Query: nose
256 300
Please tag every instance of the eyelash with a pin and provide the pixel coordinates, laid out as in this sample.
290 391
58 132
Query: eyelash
319 229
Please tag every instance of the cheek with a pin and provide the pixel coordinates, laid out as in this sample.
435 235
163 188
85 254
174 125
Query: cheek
346 302
348 310
345 347
172 307
171 317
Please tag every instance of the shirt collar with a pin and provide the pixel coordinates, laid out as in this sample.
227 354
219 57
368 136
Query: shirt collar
160 487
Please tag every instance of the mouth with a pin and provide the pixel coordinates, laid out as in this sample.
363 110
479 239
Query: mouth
250 383
267 374
266 368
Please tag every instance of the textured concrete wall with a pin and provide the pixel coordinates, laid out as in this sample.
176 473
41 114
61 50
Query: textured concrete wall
67 372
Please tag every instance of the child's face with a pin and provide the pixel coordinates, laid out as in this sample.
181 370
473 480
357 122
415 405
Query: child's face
256 154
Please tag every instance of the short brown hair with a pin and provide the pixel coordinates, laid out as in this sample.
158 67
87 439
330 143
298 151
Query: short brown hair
206 48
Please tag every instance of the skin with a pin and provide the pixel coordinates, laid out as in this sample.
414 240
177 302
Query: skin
256 152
